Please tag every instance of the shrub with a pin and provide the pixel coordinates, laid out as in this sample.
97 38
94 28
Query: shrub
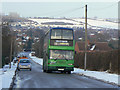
99 61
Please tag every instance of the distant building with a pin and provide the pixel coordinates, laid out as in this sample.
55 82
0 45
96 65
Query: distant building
92 47
14 14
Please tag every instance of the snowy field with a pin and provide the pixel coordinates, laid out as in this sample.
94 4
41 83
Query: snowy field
100 23
97 23
6 75
104 76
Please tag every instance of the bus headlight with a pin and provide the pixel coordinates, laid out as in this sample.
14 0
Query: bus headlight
70 64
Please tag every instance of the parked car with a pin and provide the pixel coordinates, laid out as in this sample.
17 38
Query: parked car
24 64
15 60
32 53
22 57
18 57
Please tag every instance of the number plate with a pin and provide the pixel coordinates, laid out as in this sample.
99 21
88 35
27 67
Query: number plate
61 69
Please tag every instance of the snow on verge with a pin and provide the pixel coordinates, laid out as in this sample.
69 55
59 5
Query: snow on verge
6 75
104 76
36 59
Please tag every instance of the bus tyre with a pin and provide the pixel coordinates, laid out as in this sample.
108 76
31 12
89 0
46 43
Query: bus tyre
44 70
62 71
48 71
69 72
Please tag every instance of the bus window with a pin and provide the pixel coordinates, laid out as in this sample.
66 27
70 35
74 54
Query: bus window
62 34
56 34
67 34
61 54
69 55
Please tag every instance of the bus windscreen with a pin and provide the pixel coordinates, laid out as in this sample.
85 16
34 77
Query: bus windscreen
62 34
61 54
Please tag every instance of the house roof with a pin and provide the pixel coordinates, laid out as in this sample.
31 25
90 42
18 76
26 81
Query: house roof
99 46
81 45
102 46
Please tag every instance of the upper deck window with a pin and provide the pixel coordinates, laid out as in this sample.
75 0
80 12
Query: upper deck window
62 34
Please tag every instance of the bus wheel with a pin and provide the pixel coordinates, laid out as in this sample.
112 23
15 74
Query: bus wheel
44 70
62 72
69 72
48 71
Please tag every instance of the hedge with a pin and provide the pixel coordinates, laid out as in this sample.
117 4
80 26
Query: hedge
99 61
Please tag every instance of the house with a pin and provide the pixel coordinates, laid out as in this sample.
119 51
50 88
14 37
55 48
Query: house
92 47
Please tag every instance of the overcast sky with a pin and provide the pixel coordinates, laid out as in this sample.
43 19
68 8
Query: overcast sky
64 8
60 0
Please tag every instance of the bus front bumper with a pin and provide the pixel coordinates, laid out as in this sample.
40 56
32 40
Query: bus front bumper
56 68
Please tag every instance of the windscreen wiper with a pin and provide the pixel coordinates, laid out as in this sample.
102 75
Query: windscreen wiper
63 56
57 57
66 59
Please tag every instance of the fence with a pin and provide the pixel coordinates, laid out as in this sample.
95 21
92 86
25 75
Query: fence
99 61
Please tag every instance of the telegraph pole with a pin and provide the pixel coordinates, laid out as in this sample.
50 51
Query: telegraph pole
10 53
85 38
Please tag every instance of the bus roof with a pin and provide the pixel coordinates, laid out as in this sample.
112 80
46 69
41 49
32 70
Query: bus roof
62 28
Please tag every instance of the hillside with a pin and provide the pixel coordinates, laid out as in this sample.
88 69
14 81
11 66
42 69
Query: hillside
77 22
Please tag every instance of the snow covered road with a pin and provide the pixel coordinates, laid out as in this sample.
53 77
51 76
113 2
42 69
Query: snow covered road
38 79
103 76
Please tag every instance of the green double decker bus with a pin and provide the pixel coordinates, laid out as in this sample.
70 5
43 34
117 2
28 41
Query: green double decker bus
59 45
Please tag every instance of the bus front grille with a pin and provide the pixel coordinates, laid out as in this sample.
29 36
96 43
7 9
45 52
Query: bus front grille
60 67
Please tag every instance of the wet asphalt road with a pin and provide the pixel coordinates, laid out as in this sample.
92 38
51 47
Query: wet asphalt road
39 79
